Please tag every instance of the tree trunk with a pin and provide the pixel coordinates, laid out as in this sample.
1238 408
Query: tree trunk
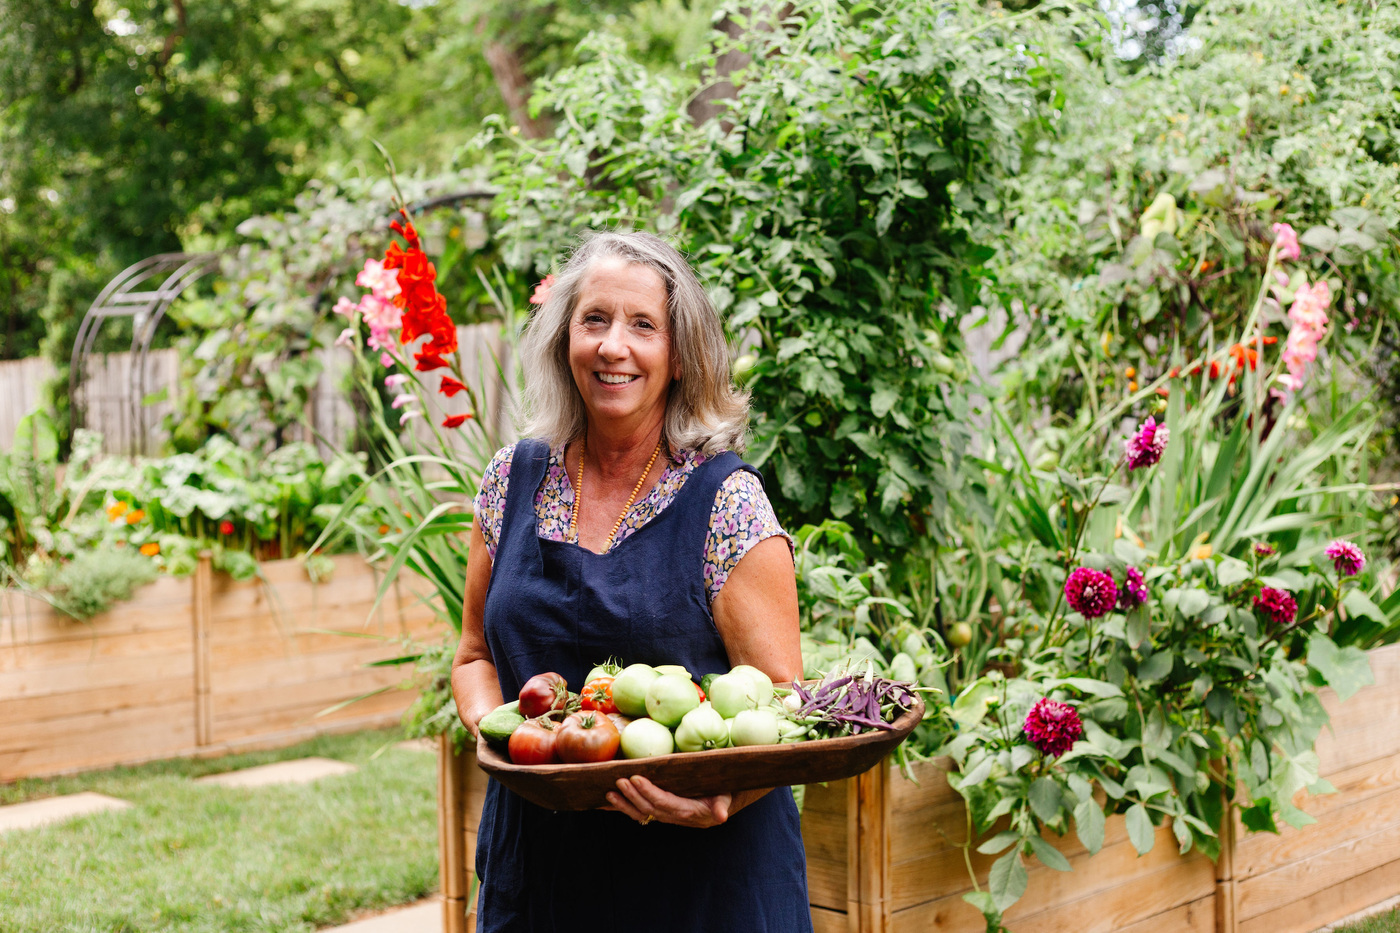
515 89
706 104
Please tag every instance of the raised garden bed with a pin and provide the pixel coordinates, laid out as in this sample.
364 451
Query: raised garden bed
202 665
882 854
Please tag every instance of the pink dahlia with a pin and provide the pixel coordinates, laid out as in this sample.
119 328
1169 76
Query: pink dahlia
1346 557
1287 240
1278 605
1134 592
1145 447
1090 592
1052 727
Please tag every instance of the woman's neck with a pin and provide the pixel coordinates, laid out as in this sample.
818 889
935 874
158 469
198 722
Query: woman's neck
619 456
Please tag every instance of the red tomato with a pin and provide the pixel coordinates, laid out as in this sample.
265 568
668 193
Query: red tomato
597 694
587 736
542 693
534 742
701 692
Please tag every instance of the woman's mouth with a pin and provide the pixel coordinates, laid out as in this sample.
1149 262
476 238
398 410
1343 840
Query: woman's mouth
614 379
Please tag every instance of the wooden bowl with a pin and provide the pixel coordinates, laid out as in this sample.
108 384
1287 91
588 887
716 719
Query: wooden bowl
701 774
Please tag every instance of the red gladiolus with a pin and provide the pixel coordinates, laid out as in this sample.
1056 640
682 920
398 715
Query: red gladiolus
450 387
429 361
455 421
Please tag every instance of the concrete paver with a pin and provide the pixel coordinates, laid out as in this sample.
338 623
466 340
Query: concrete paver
296 771
55 809
423 917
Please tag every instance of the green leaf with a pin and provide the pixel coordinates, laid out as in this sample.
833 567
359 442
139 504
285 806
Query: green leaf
1140 830
1007 880
882 400
1049 856
1192 602
1183 834
884 215
971 705
1139 624
1359 604
1346 670
1231 571
1260 817
1322 239
1045 798
1000 842
1089 824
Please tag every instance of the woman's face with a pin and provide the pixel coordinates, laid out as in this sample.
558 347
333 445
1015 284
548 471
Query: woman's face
620 345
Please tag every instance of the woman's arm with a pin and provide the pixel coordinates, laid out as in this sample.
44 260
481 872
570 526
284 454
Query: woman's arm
756 614
475 685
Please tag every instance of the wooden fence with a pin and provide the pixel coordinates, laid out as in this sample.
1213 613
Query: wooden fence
331 419
202 665
882 853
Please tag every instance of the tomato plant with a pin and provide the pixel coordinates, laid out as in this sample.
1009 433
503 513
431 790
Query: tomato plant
542 693
597 695
587 736
534 742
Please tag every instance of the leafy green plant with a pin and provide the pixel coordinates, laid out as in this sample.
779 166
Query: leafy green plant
829 222
92 581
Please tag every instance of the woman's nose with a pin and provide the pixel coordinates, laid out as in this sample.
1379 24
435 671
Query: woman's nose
614 345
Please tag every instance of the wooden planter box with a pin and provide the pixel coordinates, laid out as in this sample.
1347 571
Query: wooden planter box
882 854
202 665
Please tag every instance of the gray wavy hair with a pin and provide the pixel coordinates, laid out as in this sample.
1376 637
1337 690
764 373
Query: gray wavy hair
704 411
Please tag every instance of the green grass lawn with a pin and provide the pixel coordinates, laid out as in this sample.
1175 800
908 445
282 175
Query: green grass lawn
207 859
1381 923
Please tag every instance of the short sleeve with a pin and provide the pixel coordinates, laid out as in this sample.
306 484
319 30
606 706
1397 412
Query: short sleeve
742 517
490 503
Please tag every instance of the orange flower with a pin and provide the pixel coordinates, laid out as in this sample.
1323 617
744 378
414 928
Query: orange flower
455 421
116 510
150 549
135 517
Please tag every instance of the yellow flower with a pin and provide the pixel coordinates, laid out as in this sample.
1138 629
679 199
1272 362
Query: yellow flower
150 549
1201 552
116 510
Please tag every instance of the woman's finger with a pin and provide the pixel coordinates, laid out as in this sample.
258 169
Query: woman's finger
639 802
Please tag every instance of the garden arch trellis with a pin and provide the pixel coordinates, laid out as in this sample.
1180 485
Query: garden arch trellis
124 296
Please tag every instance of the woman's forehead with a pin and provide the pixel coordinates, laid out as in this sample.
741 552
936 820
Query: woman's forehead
612 282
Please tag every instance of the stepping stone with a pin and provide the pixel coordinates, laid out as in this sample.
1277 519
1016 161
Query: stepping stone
56 809
423 917
418 745
296 771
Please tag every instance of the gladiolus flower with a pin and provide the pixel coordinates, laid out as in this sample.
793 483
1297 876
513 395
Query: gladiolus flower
1090 592
135 517
1346 557
386 360
1052 727
450 387
396 380
1286 239
150 549
346 338
409 414
1134 592
384 283
225 527
1146 446
428 362
541 292
1309 316
1278 605
345 306
401 400
455 421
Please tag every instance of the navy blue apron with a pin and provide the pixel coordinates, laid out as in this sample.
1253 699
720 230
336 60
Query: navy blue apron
556 606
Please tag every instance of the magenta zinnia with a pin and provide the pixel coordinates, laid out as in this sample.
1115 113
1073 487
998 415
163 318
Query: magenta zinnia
1145 447
1264 549
1052 727
1278 605
1346 557
1090 592
1134 592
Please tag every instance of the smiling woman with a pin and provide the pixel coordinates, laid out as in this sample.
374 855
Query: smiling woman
630 528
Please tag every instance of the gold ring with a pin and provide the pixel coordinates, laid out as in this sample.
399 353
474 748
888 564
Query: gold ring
649 819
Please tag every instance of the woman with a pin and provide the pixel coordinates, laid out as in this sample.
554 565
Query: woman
630 529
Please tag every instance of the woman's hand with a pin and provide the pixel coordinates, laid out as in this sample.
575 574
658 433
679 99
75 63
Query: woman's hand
643 801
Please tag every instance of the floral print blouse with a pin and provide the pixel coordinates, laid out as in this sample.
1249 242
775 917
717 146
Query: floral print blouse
742 515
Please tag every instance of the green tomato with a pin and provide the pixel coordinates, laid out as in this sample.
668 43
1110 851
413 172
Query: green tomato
672 669
646 738
960 636
701 729
630 689
731 694
754 727
761 680
669 698
706 681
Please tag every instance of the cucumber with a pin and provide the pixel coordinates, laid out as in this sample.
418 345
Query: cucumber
498 724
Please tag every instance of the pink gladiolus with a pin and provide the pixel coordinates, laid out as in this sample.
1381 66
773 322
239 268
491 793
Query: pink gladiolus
409 414
1309 316
1286 239
386 360
401 400
396 380
383 283
345 306
347 337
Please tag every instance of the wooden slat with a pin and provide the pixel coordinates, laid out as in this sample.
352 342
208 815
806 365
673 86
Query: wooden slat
1195 917
1363 886
1306 877
201 614
829 921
